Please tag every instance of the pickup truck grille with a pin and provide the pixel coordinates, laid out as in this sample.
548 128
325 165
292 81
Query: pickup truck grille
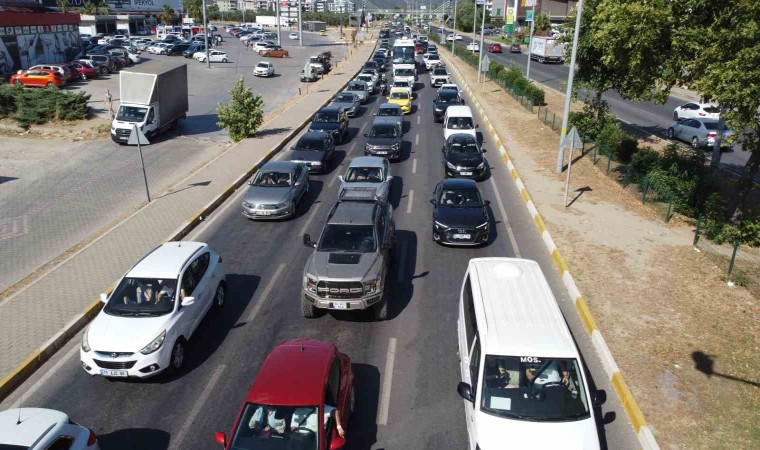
340 289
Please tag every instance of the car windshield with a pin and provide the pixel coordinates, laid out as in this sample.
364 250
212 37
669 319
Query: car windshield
356 87
463 147
384 131
367 78
433 57
439 71
447 97
460 198
271 178
347 238
460 123
325 117
533 388
403 84
142 297
345 98
263 65
710 125
364 175
403 73
277 428
711 109
131 113
400 95
389 111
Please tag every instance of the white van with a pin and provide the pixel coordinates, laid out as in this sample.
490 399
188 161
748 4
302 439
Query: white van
458 119
523 381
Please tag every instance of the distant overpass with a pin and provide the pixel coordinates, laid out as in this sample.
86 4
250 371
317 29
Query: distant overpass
437 11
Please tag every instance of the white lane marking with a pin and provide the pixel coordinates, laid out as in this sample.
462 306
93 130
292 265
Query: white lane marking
332 181
55 370
414 165
385 393
401 262
308 221
207 389
418 119
505 220
410 201
417 139
265 293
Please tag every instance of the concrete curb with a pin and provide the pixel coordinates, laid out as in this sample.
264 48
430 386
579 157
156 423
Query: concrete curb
643 432
37 358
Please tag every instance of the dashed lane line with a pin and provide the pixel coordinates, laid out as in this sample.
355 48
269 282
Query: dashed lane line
385 393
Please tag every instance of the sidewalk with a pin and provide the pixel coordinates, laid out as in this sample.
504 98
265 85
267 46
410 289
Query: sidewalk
35 322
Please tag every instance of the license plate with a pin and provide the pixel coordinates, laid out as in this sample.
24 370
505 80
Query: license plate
340 305
466 173
113 373
262 213
460 236
382 153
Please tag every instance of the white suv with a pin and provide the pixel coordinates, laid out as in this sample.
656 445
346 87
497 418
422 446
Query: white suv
148 319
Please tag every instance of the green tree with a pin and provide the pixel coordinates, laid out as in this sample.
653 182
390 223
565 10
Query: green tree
167 14
62 5
464 16
103 8
90 9
543 25
194 9
243 115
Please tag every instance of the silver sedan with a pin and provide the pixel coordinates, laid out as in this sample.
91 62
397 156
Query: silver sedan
275 190
699 132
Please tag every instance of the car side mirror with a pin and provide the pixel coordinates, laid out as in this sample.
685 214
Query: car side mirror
432 201
465 391
599 398
486 202
221 438
366 135
188 301
103 297
483 150
389 178
307 241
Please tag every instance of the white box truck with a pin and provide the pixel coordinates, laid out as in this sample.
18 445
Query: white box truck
546 49
271 21
153 97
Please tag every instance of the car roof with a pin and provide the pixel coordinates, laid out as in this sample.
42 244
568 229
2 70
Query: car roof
399 89
459 110
389 105
459 183
461 137
25 426
356 213
329 108
279 166
294 373
367 161
516 310
314 136
165 261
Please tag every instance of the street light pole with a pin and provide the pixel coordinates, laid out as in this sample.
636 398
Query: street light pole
482 35
453 41
474 19
277 13
205 35
300 26
530 41
569 92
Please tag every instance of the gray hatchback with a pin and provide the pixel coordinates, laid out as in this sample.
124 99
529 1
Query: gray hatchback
275 190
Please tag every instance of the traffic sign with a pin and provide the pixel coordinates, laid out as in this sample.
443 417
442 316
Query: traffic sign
137 137
485 63
529 15
572 139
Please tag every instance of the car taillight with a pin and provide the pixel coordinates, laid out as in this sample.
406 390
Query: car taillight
702 114
712 134
92 438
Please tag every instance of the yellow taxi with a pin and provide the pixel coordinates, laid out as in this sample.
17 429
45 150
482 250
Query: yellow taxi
322 33
401 97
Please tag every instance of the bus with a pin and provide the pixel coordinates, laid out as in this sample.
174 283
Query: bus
403 51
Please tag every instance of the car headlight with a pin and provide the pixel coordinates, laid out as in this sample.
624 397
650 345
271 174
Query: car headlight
440 225
370 286
481 165
316 163
311 284
85 341
281 205
395 146
482 226
451 166
249 205
155 344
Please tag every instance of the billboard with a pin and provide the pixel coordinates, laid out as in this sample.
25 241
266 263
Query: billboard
130 6
26 46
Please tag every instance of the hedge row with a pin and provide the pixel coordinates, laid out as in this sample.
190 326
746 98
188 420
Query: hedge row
29 106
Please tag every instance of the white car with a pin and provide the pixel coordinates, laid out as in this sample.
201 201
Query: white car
147 320
453 37
263 69
293 35
473 47
134 58
450 86
250 37
158 47
431 60
213 56
261 45
43 429
694 110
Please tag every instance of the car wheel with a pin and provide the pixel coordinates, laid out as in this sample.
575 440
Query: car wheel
675 115
380 310
83 76
224 60
103 70
695 142
178 356
50 84
671 133
220 296
308 310
17 82
292 208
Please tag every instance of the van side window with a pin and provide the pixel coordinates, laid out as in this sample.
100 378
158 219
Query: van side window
475 365
470 325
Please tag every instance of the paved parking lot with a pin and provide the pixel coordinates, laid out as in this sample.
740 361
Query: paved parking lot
54 194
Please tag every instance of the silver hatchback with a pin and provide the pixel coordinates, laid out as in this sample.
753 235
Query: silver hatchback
275 190
699 132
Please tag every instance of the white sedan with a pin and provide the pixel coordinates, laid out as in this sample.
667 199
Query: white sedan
694 110
263 69
473 47
38 429
213 56
146 322
261 45
453 37
293 35
157 48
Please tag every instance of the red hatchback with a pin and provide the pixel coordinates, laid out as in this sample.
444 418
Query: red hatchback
494 48
420 47
301 381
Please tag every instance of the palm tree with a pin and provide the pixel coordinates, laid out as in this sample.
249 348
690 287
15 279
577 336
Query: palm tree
194 9
62 5
102 8
90 9
167 14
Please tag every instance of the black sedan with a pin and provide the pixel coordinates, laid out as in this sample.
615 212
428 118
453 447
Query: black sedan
315 149
460 215
177 49
442 101
463 158
384 139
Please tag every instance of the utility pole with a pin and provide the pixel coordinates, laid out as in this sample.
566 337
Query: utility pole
300 26
205 35
530 41
569 91
277 13
474 19
482 36
453 41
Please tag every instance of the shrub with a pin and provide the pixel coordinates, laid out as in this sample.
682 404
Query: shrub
626 148
496 69
243 115
8 100
608 138
645 160
717 228
535 94
685 177
38 106
590 122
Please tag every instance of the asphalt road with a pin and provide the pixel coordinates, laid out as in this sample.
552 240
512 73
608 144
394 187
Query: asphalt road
265 262
56 193
650 116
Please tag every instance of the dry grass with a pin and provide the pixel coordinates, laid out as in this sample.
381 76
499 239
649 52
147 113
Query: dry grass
659 303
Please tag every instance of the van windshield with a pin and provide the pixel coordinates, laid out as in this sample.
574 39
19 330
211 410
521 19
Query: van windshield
131 114
460 123
533 388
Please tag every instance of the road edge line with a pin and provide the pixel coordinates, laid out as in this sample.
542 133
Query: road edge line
635 415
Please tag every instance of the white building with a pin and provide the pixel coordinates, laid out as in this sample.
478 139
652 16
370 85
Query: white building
340 6
227 5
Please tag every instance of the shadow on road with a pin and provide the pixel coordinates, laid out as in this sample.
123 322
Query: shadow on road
135 439
363 423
